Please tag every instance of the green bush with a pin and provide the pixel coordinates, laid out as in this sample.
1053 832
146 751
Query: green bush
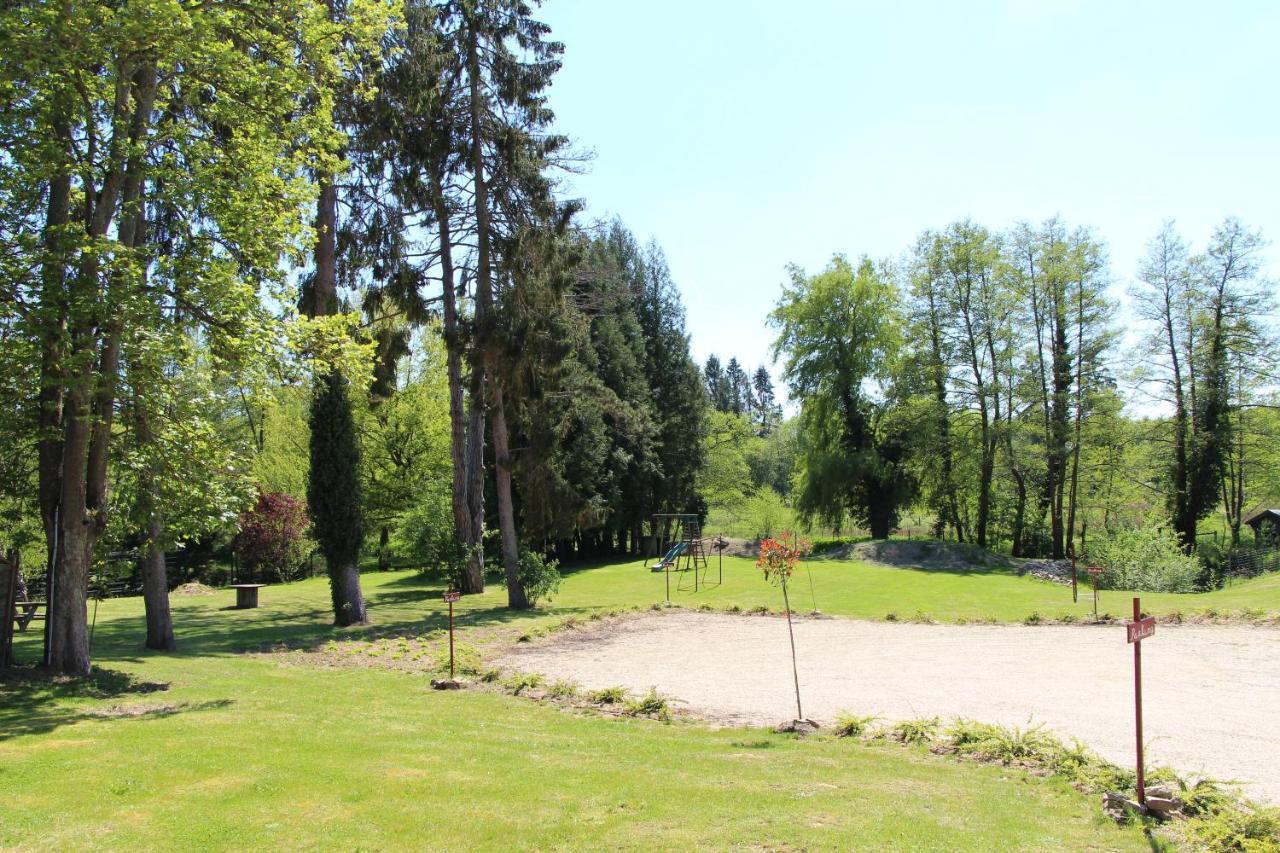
1246 829
424 534
853 725
648 705
920 730
1145 559
539 576
608 695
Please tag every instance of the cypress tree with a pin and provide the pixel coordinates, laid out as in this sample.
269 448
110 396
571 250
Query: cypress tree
333 495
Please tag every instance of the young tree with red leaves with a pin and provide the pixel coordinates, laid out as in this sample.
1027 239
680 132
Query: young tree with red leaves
778 559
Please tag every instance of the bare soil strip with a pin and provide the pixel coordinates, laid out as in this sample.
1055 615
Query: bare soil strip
1211 694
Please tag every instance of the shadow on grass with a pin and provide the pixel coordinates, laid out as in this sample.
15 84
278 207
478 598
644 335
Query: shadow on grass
205 628
35 702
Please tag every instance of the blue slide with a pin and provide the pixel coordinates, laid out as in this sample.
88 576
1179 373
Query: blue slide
670 559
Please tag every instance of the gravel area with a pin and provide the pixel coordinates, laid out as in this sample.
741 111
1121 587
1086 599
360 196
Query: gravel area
1211 694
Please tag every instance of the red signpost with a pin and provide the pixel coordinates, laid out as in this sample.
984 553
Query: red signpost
451 595
1075 592
1141 628
1094 573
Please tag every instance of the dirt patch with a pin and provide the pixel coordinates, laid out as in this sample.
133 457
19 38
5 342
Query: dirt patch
1212 694
194 588
922 554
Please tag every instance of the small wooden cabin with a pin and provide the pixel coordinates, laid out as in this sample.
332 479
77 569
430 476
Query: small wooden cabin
1266 526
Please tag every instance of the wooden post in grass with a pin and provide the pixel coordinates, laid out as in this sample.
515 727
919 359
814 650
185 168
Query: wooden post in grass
451 595
1137 631
1071 552
1094 572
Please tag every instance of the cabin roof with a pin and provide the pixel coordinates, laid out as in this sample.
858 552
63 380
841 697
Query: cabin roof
1260 515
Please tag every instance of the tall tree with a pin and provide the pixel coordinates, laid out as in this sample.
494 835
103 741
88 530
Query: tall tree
838 331
980 309
333 495
717 390
934 354
1201 309
110 113
739 388
768 413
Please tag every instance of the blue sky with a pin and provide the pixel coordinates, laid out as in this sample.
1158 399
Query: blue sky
745 136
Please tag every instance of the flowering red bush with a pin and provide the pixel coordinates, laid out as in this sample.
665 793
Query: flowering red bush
778 557
273 535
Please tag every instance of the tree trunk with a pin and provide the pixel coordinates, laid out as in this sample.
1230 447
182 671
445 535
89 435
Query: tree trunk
89 401
516 598
52 368
344 580
464 530
155 589
1019 548
155 581
791 635
487 346
68 614
475 474
348 600
1079 418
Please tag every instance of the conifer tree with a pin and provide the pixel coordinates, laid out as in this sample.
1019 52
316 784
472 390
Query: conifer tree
333 495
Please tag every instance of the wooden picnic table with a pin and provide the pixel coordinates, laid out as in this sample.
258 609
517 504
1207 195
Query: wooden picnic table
247 595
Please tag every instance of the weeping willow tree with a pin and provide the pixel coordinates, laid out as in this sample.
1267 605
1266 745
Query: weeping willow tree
837 333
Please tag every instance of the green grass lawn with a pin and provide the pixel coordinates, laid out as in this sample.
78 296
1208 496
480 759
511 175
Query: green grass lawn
404 601
242 750
873 591
215 748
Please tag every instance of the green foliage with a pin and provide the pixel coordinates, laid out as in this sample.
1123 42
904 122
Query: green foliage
999 743
539 576
561 689
522 681
608 695
1249 830
852 725
1145 559
333 491
726 479
648 705
424 532
467 659
767 513
839 332
921 730
281 438
404 451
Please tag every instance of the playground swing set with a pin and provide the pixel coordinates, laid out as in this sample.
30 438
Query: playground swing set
687 554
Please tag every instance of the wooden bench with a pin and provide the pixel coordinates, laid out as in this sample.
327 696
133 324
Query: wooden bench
247 595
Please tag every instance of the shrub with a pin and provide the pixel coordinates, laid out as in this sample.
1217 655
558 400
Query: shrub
522 681
1213 564
539 576
1145 559
273 536
1246 829
916 731
608 695
424 534
562 690
852 725
467 659
648 705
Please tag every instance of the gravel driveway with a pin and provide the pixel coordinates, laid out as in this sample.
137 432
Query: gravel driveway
1211 694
